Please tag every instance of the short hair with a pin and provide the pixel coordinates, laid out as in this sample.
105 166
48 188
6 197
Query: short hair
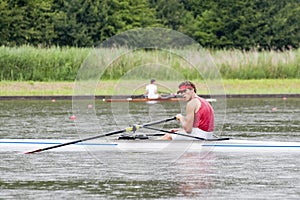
188 83
152 81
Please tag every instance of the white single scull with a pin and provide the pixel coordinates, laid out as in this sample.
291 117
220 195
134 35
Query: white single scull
232 145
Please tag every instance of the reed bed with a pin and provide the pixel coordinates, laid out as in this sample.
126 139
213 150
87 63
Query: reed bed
236 64
27 63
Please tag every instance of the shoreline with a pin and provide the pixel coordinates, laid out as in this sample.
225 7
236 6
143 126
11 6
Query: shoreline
106 89
103 97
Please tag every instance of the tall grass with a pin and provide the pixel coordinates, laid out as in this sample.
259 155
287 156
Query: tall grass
235 64
28 63
40 64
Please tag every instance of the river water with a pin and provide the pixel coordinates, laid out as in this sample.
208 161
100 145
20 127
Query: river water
125 175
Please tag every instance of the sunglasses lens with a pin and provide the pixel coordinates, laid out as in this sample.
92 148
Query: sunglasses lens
181 91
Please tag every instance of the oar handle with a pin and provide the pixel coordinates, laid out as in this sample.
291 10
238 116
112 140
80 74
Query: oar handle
165 131
158 122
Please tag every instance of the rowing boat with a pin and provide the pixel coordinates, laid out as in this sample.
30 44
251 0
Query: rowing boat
148 145
145 143
149 100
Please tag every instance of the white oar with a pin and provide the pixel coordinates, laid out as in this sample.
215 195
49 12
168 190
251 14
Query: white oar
128 129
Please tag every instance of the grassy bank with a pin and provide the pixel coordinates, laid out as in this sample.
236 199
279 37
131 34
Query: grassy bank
231 86
27 63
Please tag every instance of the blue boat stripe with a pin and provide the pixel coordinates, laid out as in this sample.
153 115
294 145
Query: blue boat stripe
204 145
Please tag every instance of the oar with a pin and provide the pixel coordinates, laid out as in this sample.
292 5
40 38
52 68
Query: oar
186 135
159 122
128 129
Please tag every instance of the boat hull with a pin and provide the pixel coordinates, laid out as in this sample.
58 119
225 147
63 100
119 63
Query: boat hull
23 145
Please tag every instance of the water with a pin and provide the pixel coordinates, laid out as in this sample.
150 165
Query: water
108 175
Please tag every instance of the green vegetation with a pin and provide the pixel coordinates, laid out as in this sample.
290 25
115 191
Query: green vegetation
236 64
240 24
28 63
49 40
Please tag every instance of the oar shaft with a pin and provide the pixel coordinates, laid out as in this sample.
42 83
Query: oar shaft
186 135
52 147
77 141
128 129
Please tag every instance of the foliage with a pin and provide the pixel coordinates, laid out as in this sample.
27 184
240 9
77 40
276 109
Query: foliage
49 39
259 24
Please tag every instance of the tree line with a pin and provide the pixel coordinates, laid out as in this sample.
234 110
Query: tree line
222 24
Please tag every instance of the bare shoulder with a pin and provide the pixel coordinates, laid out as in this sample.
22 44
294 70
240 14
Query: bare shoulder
194 104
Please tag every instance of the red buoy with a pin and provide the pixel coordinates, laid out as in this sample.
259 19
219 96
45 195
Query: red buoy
73 117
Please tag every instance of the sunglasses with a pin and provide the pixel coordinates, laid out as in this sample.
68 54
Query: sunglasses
182 91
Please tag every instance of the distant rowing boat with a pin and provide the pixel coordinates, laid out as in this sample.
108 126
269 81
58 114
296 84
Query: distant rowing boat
149 100
148 145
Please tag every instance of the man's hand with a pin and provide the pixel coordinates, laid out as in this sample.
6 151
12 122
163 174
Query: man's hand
179 117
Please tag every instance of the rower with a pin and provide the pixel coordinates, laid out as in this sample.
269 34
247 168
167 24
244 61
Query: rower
199 119
151 90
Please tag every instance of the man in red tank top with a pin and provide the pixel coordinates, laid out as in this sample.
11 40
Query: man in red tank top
199 119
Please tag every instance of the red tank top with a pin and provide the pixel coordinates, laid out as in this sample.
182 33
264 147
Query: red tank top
204 118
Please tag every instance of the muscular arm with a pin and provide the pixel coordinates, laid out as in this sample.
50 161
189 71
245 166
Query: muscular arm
189 119
187 122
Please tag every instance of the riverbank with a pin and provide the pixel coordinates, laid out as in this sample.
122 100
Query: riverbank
106 88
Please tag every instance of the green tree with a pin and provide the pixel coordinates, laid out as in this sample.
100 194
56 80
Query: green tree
70 23
39 15
89 22
225 24
13 23
26 22
262 24
5 21
171 13
242 24
119 16
285 26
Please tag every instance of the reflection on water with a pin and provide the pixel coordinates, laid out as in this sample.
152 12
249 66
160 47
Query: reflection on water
213 176
80 174
208 175
36 119
255 118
